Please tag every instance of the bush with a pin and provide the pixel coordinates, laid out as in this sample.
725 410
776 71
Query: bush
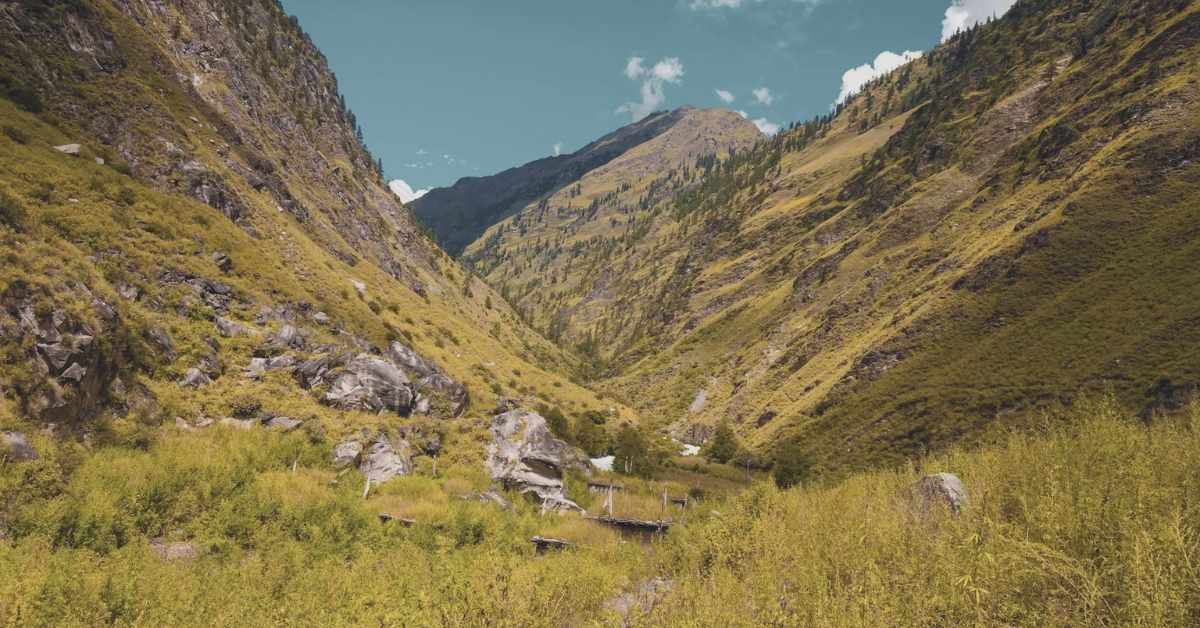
21 95
723 445
791 467
16 135
12 213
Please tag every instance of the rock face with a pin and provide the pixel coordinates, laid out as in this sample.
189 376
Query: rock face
373 385
939 490
16 446
524 455
384 460
72 361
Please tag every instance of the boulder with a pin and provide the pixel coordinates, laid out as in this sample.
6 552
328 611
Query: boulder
318 370
224 264
372 385
346 453
525 456
16 446
288 337
161 341
230 329
383 461
942 490
256 369
283 423
69 149
321 318
195 378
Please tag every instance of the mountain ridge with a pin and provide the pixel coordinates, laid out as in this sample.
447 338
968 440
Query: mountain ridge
461 213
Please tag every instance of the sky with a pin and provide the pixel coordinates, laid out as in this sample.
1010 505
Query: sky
451 88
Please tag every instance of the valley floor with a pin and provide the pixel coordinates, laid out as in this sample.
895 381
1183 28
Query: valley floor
1092 521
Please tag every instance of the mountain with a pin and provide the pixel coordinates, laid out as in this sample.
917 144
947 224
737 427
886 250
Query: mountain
974 239
239 385
190 218
461 213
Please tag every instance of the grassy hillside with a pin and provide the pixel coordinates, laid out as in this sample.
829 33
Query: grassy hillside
993 229
1087 523
234 162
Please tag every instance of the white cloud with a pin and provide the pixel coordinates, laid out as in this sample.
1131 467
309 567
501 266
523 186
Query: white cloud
855 78
764 96
558 148
963 14
726 96
763 124
766 126
668 70
402 189
634 68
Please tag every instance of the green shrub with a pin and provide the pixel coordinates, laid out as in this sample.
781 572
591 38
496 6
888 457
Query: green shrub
12 213
16 135
21 95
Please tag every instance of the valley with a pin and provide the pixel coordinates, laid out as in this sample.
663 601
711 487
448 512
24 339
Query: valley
926 359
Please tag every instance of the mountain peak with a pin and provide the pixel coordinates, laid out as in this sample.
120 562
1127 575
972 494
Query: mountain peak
656 144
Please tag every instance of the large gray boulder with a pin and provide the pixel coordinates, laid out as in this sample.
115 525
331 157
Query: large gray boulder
288 337
383 460
346 453
372 385
941 490
16 446
525 456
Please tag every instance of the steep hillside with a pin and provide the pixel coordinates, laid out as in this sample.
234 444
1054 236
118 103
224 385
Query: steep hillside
210 239
985 233
551 260
460 214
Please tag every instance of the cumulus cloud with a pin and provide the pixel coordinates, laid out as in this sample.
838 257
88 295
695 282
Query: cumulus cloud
558 148
963 14
667 71
401 188
766 126
764 96
726 96
855 78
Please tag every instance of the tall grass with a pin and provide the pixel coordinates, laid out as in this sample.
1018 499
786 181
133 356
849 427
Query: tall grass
1097 523
1093 521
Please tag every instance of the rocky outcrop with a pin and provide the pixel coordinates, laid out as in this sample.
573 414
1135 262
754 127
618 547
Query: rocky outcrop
372 385
941 490
72 358
525 456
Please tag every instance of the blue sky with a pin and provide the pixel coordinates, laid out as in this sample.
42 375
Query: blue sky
453 88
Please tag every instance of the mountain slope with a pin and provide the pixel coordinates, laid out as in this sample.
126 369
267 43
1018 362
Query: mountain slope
218 210
971 240
462 213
